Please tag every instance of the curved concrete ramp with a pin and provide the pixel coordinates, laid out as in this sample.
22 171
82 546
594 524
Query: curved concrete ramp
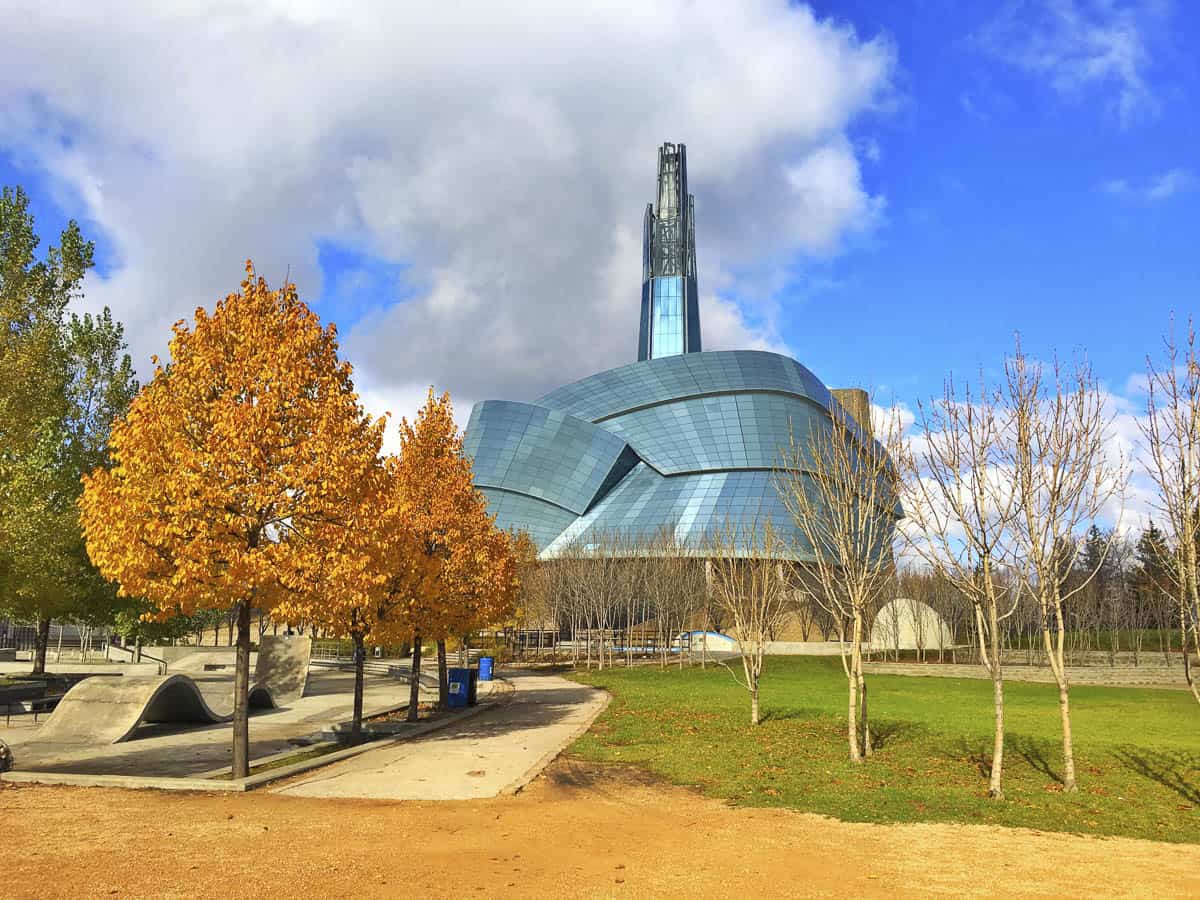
106 710
282 666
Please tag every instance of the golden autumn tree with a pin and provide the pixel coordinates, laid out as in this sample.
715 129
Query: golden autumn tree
375 575
231 467
479 578
450 517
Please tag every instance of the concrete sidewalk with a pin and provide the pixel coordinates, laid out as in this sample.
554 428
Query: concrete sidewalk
182 750
497 751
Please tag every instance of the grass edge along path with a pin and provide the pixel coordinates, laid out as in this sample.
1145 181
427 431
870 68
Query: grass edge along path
1137 750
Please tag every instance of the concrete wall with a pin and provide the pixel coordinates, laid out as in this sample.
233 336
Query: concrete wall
803 648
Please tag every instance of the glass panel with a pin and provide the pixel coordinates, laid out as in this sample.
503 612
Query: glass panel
667 328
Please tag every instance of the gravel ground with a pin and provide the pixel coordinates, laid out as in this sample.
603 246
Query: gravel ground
578 830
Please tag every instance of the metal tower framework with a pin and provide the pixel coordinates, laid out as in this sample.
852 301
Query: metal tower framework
670 321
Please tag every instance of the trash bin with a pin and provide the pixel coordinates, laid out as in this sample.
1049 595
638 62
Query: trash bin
473 687
460 687
485 668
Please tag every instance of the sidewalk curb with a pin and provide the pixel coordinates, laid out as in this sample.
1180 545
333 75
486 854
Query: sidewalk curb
534 771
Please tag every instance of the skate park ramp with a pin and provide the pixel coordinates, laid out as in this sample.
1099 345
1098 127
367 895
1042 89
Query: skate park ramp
282 667
107 710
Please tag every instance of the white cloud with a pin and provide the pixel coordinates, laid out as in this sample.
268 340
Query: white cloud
1160 187
503 153
971 108
1130 507
1079 44
1171 183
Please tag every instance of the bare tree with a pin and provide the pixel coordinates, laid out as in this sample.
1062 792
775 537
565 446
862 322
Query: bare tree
673 591
1064 479
960 507
1172 430
747 583
839 485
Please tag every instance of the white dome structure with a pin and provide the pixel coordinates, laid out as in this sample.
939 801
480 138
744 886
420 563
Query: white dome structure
906 624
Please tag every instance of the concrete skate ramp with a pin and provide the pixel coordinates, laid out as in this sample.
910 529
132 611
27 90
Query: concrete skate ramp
105 710
204 659
282 666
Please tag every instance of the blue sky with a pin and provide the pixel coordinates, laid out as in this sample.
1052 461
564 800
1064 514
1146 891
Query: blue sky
1012 205
993 168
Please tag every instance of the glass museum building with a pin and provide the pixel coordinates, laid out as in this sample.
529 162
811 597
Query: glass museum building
681 442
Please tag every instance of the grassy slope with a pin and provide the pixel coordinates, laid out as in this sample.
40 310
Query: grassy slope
1137 751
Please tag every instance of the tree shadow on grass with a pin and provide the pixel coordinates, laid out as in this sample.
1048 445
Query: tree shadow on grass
792 714
979 754
1034 753
1178 770
888 732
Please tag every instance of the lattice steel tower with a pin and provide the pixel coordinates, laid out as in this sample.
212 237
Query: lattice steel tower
670 306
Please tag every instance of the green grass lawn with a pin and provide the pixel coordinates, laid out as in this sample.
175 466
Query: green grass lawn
1137 751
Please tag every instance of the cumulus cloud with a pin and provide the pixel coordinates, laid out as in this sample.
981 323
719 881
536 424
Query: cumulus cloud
1080 44
500 155
1131 496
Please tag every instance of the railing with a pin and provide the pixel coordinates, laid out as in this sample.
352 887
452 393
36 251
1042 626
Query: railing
373 667
29 707
145 657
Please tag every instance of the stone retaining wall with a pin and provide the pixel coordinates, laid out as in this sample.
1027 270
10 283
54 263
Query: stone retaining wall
1112 676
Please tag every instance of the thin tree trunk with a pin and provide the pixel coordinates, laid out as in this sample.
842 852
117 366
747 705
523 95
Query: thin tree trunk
1187 650
41 641
414 680
995 790
754 704
443 676
360 653
852 719
1064 706
866 719
1058 666
241 691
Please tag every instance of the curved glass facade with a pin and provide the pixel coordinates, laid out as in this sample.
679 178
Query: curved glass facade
723 431
655 381
540 452
686 443
694 508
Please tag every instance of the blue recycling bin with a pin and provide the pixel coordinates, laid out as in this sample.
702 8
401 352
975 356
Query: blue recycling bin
485 668
460 687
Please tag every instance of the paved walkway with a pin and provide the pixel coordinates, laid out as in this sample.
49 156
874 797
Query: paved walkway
182 750
498 750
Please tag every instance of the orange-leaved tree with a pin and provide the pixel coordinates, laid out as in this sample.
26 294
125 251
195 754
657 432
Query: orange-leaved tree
375 576
231 468
447 513
479 578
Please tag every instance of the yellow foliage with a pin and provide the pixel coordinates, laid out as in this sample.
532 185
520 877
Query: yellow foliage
477 575
238 465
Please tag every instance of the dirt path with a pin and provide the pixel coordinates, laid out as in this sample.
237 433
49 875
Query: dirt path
575 831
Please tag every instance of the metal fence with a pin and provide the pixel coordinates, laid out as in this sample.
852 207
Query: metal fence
67 640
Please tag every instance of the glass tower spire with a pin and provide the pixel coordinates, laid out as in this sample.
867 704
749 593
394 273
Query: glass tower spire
670 312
